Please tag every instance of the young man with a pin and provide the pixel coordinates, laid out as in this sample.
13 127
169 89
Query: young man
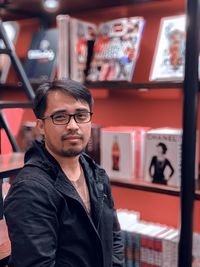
59 210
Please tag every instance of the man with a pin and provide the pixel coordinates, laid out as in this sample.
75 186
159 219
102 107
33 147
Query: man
59 210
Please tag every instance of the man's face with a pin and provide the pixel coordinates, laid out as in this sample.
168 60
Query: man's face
64 140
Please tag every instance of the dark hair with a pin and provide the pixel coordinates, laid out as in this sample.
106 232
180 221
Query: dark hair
70 87
163 146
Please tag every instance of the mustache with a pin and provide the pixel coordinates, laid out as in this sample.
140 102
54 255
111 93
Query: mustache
70 135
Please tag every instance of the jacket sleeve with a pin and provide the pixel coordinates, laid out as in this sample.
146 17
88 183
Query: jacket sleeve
32 224
118 246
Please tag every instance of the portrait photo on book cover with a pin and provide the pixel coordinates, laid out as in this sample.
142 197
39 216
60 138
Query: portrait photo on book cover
163 158
160 168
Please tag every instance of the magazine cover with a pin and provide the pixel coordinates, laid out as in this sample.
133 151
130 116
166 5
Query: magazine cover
76 41
169 56
116 49
11 28
40 63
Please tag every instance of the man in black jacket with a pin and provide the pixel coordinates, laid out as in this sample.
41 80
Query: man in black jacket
60 210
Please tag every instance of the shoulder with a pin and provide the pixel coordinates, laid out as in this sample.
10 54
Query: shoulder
32 177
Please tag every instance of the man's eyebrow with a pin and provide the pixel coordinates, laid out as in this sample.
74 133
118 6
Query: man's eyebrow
81 109
76 110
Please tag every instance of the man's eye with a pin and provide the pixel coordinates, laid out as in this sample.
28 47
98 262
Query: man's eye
81 116
59 117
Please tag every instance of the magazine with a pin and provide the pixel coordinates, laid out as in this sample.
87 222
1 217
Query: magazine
116 49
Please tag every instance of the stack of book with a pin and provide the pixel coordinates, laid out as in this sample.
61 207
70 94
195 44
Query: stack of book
151 245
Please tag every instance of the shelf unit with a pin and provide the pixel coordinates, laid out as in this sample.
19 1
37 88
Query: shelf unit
10 51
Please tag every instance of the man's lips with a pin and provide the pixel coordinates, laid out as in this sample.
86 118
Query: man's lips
71 137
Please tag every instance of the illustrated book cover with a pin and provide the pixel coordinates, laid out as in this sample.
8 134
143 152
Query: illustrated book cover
116 49
169 56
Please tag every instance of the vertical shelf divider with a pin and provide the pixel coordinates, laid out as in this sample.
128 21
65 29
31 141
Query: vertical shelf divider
190 104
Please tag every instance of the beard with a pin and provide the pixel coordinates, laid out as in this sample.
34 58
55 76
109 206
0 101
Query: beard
71 153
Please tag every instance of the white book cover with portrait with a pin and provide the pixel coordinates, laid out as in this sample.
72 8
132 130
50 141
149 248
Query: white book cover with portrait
163 156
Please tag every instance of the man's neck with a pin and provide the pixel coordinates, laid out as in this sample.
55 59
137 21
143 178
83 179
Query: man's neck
70 166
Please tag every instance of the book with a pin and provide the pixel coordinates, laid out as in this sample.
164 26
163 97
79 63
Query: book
169 56
11 29
27 134
76 41
122 151
41 60
163 156
116 49
93 146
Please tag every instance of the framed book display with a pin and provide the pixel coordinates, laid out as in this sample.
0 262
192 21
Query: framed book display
169 56
11 29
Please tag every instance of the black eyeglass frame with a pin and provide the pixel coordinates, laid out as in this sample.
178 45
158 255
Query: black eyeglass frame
69 117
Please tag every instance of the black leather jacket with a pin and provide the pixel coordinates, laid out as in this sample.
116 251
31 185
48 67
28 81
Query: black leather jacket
48 223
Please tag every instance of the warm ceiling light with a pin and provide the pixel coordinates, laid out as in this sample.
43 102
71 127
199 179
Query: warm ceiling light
51 5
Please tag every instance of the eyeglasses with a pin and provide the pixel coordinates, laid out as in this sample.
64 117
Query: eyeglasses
64 118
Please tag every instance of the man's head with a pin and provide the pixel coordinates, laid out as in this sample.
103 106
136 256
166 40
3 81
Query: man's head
63 109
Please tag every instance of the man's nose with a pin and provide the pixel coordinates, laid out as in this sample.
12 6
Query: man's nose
72 123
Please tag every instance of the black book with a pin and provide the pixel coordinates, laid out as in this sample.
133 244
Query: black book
40 64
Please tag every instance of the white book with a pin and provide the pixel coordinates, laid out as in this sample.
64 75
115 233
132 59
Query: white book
11 29
196 250
163 156
122 151
169 56
75 42
127 218
170 243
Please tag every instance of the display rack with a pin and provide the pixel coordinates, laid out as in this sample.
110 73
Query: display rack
25 84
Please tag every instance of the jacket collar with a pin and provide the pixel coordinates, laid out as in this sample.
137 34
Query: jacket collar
38 156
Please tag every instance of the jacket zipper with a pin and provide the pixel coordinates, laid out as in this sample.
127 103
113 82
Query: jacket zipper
101 210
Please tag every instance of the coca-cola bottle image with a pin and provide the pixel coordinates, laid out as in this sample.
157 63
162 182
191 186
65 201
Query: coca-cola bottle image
115 154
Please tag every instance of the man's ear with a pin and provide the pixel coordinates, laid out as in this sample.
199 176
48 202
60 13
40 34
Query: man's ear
40 126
